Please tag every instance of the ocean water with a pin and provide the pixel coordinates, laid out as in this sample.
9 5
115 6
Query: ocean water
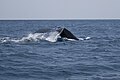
96 56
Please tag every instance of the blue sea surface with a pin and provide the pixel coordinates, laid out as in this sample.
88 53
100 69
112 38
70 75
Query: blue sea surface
96 58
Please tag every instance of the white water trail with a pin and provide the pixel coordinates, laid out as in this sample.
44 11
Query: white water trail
51 37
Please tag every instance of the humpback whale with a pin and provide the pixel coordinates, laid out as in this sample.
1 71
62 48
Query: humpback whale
51 35
58 33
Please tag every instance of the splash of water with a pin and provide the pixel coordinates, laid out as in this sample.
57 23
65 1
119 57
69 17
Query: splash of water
51 37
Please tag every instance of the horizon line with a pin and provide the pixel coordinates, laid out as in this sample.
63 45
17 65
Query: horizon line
55 19
60 19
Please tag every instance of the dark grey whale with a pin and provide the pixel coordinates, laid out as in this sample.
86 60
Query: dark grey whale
51 35
62 32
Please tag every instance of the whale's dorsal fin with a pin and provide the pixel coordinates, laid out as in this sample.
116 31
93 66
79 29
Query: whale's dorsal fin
67 34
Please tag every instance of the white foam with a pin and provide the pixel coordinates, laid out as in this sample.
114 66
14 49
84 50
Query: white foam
69 39
87 38
81 39
5 39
